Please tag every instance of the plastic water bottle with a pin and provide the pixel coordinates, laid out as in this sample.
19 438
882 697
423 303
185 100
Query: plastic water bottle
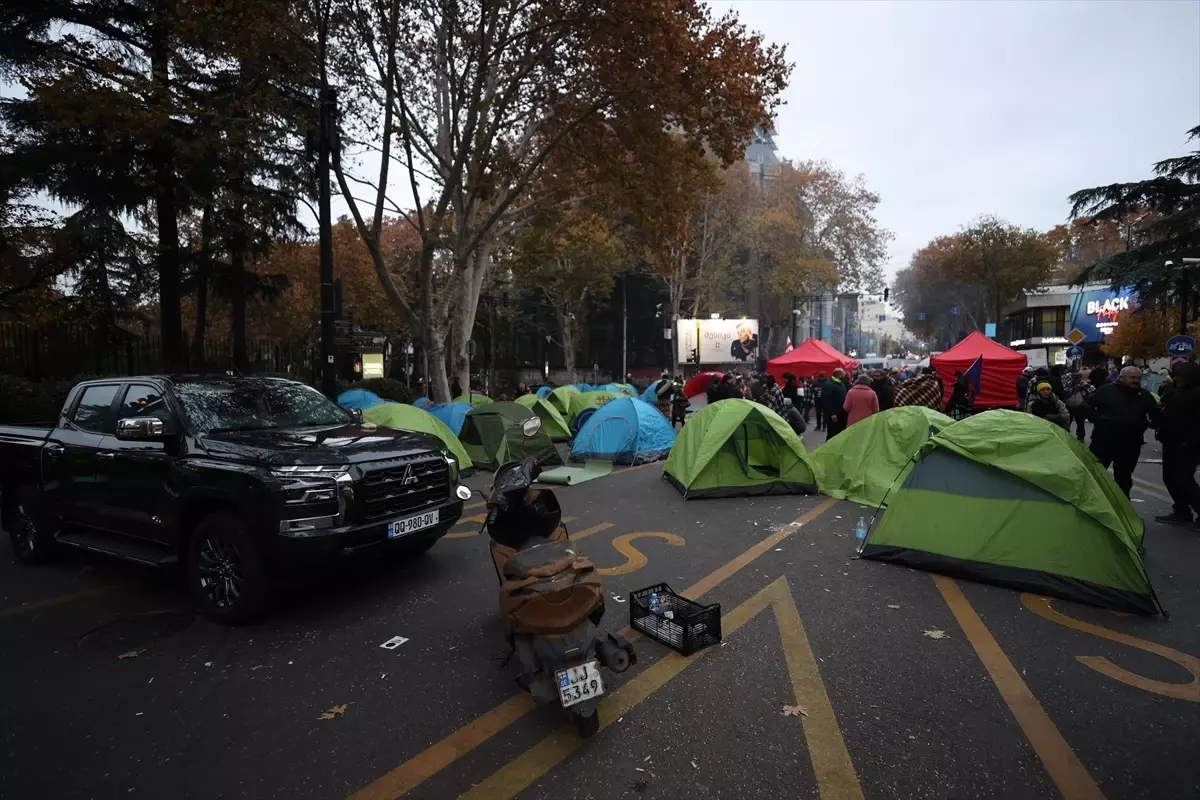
860 533
654 606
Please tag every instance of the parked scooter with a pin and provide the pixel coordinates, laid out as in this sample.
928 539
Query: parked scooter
551 595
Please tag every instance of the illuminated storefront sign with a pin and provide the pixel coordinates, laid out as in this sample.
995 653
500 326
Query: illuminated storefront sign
1095 312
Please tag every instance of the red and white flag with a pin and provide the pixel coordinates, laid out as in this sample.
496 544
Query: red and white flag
789 348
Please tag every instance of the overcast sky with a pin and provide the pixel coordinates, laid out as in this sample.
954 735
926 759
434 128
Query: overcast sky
951 110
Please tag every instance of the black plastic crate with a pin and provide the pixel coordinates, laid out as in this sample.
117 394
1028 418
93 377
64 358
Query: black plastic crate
690 626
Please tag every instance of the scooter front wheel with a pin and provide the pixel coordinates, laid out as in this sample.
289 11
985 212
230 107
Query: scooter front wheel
588 725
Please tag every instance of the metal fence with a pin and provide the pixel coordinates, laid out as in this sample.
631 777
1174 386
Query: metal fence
65 351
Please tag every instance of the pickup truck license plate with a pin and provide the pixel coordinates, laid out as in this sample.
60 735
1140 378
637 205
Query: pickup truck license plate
403 527
579 683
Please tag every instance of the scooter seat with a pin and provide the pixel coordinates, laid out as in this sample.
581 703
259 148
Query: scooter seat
540 560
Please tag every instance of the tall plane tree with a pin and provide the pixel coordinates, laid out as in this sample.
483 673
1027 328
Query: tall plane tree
467 99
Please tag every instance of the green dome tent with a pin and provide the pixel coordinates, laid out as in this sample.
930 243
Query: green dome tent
552 422
492 436
560 398
861 463
410 418
473 399
735 447
1007 498
585 400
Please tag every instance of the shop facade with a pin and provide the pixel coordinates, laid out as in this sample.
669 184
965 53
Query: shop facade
1039 323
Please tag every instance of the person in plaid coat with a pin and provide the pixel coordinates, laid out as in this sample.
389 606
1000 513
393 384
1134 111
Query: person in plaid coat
923 390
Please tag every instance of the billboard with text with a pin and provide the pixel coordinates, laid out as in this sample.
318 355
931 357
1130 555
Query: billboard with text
719 341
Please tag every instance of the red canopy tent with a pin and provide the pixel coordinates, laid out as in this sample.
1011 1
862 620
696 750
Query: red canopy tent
1000 367
808 358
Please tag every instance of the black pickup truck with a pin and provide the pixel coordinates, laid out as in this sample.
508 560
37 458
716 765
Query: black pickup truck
236 479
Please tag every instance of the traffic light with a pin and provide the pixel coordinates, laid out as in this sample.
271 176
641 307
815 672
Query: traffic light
694 356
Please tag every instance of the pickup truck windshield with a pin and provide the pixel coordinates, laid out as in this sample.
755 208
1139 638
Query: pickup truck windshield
254 405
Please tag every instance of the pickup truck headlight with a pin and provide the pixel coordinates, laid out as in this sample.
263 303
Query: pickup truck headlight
452 462
309 485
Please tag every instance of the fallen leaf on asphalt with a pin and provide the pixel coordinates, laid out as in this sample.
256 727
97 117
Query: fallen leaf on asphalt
935 633
795 711
133 653
891 605
334 712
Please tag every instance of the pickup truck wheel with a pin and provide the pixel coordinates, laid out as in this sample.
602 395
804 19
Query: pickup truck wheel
30 533
225 573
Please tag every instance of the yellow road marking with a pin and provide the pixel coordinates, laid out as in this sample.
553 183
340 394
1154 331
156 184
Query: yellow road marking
1180 691
478 520
424 765
634 558
577 535
57 601
1153 493
1151 484
1060 761
836 779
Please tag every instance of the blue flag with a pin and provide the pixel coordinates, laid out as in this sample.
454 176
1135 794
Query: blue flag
975 374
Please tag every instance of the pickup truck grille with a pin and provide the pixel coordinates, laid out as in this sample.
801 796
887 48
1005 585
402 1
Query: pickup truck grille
393 489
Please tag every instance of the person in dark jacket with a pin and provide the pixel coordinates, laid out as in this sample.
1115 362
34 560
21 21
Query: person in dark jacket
1120 413
883 389
1023 385
833 399
727 389
1179 432
713 392
820 388
790 390
960 397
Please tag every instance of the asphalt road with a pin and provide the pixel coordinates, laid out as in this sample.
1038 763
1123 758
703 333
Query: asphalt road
827 682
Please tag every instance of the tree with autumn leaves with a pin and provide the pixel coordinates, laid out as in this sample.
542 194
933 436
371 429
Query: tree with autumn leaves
464 104
977 272
176 138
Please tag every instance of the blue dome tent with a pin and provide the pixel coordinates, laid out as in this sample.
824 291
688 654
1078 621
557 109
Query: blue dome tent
650 396
624 431
452 414
544 391
423 402
358 398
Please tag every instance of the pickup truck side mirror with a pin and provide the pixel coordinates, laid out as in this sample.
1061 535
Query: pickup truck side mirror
355 414
140 429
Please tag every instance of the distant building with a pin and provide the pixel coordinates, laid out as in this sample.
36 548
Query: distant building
878 320
760 156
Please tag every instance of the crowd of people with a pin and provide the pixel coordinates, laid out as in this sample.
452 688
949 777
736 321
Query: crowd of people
1119 409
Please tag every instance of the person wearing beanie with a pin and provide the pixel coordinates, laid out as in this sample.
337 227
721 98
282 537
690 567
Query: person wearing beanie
834 399
1045 404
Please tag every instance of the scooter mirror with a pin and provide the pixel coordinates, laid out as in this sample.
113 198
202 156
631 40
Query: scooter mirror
531 426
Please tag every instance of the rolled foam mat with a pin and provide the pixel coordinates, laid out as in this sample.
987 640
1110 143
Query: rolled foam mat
568 476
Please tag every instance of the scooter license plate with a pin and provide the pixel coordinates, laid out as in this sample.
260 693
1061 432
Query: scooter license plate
579 683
